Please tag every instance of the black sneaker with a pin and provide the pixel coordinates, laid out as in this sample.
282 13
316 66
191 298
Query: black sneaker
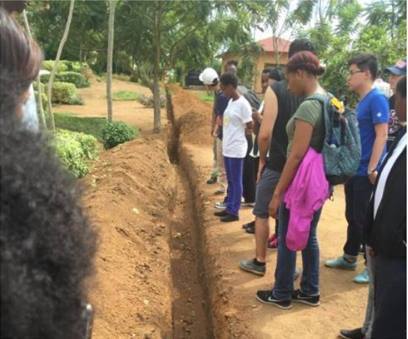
222 213
266 297
352 334
250 227
229 218
298 296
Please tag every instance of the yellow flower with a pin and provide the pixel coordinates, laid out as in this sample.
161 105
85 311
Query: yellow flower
338 104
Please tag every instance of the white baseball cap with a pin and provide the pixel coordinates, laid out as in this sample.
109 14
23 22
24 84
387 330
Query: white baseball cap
209 76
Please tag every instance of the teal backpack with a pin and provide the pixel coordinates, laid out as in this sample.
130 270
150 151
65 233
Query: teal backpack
341 147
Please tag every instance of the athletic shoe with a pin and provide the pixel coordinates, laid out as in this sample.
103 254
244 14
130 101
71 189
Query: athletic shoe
222 213
229 218
252 266
299 297
341 263
352 334
250 228
362 278
244 226
212 180
220 205
267 297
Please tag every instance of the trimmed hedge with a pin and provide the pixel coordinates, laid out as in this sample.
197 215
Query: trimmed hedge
75 150
49 65
65 93
72 77
115 133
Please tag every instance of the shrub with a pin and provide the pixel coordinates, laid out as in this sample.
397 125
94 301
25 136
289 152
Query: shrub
125 96
115 133
149 102
71 77
49 65
65 93
75 150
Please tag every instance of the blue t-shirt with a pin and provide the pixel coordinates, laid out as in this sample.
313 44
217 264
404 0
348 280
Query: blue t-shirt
373 109
221 103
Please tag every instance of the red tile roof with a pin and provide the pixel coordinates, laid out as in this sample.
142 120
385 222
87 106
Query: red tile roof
268 44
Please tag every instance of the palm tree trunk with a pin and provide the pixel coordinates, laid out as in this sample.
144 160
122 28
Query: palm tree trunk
57 59
111 25
40 109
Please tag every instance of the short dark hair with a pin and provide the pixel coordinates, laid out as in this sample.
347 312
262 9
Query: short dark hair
13 5
402 87
299 45
274 73
366 62
47 243
229 79
232 62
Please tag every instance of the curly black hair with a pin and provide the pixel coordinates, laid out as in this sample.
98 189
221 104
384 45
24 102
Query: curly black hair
47 244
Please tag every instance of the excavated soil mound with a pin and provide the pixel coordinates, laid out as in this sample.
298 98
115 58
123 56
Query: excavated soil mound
129 195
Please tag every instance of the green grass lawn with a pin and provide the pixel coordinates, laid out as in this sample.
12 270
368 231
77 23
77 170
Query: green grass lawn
86 125
125 96
206 97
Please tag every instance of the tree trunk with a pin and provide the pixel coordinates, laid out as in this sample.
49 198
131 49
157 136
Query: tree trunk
57 59
156 68
276 50
40 109
112 5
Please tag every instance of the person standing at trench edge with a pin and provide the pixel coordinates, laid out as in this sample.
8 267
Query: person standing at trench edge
237 118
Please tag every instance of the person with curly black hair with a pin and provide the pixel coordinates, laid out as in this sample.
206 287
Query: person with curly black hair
47 244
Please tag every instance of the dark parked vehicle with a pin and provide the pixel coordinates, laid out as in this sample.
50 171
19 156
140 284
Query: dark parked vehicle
192 79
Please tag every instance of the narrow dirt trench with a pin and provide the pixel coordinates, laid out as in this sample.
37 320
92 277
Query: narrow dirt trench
190 306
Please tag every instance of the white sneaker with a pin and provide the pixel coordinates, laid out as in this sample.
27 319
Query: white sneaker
220 205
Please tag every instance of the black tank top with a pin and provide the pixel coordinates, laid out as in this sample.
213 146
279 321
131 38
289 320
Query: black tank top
287 106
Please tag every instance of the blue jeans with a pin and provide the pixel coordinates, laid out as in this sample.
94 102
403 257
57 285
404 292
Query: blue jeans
233 169
286 264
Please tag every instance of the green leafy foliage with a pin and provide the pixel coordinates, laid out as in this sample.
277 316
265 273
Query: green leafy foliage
75 150
125 96
87 125
65 93
49 65
75 78
115 133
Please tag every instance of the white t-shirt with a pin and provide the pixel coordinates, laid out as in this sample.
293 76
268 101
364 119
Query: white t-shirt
237 114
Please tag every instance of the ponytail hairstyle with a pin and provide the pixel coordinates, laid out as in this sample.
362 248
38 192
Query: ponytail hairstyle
305 61
20 61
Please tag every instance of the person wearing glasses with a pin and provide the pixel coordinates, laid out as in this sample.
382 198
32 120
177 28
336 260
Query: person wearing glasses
373 116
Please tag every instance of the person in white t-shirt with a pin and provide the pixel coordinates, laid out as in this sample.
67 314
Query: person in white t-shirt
237 118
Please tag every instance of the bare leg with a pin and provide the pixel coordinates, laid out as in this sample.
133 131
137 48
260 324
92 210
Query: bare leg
261 238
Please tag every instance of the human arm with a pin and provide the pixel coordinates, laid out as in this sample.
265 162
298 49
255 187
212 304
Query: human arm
266 128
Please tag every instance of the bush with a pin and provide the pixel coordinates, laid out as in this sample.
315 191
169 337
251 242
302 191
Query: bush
75 150
49 65
65 93
71 77
149 102
115 133
125 96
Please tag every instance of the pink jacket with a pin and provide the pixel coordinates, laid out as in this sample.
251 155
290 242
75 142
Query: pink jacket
305 195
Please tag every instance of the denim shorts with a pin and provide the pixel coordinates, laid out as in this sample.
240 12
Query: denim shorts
264 192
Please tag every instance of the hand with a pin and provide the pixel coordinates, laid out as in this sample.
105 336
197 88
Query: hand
274 205
261 167
373 177
215 133
256 116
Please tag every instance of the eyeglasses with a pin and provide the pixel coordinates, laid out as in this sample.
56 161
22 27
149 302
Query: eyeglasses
351 73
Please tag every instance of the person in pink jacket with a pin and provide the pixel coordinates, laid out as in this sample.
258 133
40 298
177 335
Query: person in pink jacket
305 131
